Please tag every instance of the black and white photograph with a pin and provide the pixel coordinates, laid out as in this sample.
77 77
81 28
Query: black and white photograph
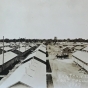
43 43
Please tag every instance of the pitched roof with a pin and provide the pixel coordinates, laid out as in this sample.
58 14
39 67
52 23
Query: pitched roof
7 56
83 56
28 74
79 47
23 49
7 48
86 48
38 54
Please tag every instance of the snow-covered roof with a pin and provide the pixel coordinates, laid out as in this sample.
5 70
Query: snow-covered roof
44 45
6 44
7 56
70 46
41 48
12 43
31 73
6 48
72 43
37 54
30 56
28 47
21 44
67 43
79 47
83 56
86 48
41 55
1 44
32 44
23 49
66 48
17 43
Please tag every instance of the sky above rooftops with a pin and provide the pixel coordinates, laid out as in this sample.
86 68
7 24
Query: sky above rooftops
44 19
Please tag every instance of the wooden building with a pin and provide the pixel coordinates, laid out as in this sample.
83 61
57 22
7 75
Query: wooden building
81 58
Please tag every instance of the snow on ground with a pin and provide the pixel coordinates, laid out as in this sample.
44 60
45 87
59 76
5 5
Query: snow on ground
65 73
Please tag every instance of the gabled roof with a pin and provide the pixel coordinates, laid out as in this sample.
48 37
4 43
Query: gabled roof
86 48
23 49
79 47
41 55
32 74
41 48
44 45
7 48
5 44
7 57
29 57
20 85
32 44
38 55
83 56
28 47
42 51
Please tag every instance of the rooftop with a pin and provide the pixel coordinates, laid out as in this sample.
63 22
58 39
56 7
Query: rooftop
6 48
81 55
86 48
7 56
28 74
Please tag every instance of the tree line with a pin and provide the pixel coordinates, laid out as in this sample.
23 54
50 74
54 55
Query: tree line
44 40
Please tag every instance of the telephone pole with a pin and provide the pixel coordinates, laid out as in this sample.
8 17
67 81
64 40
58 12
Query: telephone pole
3 53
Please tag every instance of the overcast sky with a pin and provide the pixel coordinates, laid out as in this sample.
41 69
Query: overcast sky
44 19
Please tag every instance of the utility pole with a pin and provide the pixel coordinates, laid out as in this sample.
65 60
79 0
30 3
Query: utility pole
25 44
19 43
3 53
19 48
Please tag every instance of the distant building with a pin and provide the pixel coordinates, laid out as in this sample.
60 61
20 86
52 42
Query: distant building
66 50
79 47
55 38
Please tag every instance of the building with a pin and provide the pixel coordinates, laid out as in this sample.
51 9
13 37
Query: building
9 59
55 38
85 49
7 49
66 51
31 73
79 47
81 58
1 51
